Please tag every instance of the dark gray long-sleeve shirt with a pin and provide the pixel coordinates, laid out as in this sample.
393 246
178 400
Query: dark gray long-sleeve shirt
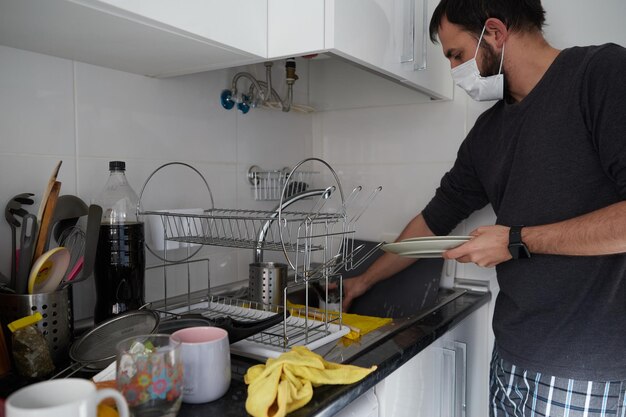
558 154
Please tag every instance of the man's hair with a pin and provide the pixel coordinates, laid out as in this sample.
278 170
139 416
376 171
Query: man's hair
517 15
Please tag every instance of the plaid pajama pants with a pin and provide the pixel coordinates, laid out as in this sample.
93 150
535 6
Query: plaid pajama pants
516 392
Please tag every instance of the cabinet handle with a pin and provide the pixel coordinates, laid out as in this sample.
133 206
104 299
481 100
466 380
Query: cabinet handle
454 386
408 31
409 35
422 65
448 386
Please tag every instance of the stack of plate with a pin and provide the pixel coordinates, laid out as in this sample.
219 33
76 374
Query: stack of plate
425 247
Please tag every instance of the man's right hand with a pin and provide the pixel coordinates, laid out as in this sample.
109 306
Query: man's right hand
353 288
384 267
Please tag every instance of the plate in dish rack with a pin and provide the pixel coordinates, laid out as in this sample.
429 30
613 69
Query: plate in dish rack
425 247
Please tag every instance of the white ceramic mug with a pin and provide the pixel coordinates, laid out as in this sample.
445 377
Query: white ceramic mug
206 358
71 397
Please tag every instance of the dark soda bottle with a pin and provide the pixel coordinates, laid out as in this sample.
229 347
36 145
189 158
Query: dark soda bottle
120 258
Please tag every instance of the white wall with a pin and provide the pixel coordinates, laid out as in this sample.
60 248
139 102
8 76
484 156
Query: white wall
53 109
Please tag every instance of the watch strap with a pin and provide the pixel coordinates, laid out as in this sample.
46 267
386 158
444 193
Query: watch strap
515 234
517 247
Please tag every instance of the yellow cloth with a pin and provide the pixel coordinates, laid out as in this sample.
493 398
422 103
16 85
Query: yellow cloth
286 383
359 325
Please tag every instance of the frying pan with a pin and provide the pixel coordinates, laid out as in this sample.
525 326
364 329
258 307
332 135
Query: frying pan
237 329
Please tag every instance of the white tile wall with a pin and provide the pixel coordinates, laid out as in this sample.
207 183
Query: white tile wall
53 109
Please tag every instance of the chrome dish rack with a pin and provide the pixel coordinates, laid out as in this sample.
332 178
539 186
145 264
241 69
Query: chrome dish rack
317 243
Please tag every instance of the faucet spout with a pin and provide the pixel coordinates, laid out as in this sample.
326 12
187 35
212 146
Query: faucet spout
324 193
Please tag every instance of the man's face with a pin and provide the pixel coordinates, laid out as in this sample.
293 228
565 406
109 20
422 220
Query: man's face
459 46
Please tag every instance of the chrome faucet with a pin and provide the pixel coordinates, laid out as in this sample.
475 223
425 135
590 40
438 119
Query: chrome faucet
324 193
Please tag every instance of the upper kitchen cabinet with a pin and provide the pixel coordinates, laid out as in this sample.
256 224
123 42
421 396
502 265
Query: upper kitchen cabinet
151 37
387 37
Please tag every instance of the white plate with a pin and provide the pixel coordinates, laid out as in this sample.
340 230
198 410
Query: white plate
424 247
436 238
422 254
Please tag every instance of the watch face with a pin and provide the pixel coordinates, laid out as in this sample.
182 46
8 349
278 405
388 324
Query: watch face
519 251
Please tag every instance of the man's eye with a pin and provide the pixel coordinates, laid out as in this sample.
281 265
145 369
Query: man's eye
457 57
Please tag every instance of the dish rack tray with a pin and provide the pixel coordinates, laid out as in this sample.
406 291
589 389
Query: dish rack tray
310 328
243 228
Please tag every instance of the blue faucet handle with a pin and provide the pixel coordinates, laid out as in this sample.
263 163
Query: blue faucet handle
226 99
244 106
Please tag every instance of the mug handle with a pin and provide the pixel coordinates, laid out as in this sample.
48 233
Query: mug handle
120 401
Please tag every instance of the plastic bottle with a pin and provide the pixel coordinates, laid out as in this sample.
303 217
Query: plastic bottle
120 257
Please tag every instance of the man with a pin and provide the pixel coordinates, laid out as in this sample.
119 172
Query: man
550 157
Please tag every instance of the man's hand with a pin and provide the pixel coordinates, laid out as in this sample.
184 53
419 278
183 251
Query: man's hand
488 247
352 288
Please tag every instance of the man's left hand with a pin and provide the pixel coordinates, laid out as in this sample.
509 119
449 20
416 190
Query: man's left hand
488 247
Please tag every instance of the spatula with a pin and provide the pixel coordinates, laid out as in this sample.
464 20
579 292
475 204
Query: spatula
12 209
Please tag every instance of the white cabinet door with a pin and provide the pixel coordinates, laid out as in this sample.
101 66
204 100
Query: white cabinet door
450 378
474 332
390 37
149 37
430 384
238 24
294 30
413 390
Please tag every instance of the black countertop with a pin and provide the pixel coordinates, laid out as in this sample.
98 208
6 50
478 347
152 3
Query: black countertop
390 348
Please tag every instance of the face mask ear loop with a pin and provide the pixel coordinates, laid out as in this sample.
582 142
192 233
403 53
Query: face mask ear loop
501 59
479 39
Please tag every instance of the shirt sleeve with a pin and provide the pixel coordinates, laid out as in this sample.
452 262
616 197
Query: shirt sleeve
459 194
603 101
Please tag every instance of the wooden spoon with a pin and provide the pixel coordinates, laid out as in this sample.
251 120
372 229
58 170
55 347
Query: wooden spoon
44 197
46 220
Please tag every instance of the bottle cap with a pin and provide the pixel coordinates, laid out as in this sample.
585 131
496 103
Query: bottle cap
117 166
24 321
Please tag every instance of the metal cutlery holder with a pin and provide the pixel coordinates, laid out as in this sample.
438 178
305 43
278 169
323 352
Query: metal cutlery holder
57 325
267 282
318 243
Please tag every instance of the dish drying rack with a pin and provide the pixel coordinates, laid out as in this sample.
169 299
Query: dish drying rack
318 245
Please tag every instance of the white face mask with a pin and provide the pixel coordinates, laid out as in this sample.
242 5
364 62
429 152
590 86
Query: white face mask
467 76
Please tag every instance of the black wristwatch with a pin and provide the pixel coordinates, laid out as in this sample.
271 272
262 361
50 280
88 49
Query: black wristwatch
518 249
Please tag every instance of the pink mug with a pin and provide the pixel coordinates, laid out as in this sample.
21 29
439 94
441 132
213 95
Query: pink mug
206 358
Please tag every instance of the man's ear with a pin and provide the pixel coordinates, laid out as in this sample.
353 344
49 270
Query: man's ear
495 32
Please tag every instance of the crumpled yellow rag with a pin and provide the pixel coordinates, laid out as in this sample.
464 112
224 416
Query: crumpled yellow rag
286 383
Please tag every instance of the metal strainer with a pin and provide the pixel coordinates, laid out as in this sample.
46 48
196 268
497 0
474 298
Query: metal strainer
97 348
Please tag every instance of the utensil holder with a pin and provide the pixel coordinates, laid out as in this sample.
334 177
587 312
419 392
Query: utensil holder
57 324
267 281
